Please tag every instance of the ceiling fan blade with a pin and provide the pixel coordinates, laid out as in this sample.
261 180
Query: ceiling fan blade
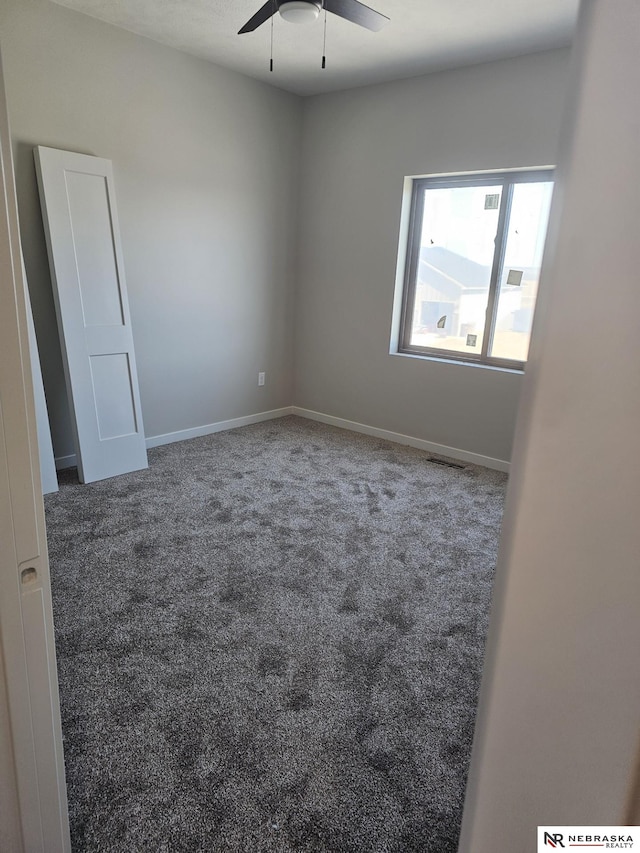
260 17
356 12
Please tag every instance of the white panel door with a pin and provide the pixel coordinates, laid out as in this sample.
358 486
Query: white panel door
85 256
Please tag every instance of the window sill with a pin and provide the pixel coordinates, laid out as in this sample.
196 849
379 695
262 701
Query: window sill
460 362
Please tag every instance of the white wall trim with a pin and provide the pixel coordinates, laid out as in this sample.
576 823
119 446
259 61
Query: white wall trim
399 438
220 426
63 462
342 423
194 432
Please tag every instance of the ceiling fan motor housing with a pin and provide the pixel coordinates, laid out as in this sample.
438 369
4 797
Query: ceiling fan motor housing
303 11
299 11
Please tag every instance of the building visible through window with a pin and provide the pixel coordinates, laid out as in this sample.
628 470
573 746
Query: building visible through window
473 264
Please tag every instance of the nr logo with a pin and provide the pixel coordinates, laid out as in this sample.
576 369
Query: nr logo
554 840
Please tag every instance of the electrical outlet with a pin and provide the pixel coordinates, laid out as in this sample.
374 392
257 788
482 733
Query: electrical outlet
261 379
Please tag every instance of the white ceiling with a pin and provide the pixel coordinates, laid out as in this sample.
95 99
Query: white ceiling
422 36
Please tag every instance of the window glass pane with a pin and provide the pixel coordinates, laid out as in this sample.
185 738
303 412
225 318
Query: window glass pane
454 267
518 281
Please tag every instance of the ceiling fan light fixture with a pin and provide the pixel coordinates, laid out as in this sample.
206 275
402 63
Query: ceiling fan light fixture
299 11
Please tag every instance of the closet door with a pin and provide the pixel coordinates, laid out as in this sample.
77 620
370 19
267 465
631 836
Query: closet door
85 256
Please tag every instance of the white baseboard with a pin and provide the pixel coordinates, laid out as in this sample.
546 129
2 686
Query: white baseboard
194 432
220 426
63 462
399 438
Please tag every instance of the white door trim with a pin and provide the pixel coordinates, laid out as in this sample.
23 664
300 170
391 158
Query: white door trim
26 620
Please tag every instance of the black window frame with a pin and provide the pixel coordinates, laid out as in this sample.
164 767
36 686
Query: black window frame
505 179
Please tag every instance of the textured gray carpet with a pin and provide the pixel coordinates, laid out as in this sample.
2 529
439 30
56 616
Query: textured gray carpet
272 641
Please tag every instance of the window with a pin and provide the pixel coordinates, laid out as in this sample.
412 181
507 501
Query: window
473 264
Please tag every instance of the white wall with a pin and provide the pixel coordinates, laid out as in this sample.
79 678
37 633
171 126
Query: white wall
557 735
357 148
205 167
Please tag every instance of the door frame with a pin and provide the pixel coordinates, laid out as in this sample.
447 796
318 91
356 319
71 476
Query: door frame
27 641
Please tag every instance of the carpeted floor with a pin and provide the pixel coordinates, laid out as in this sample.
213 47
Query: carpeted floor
272 641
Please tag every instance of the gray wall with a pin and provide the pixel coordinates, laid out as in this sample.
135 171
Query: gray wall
205 165
207 176
557 733
357 147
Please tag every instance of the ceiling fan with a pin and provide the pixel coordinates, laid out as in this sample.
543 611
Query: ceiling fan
301 11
